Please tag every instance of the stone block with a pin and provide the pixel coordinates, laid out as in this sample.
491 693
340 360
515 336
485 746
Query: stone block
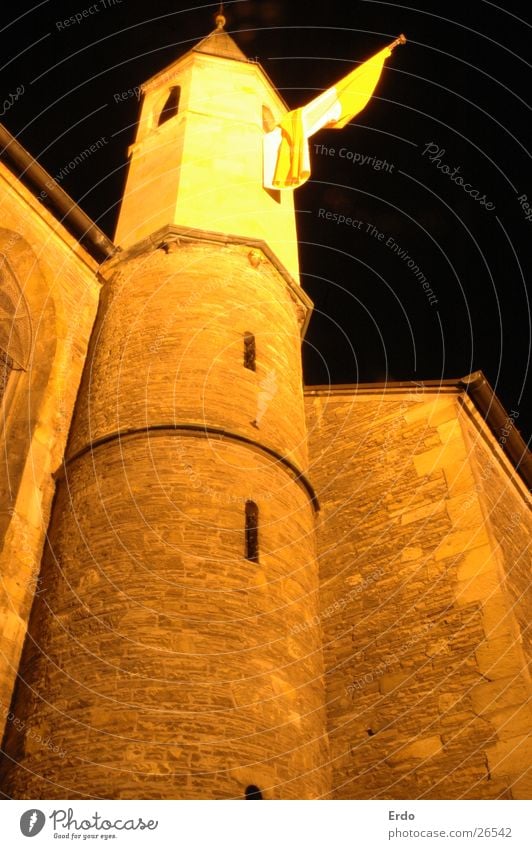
421 749
512 721
479 588
440 457
521 787
498 617
12 627
448 701
500 658
450 430
492 696
478 560
425 512
410 554
391 682
510 757
464 511
456 542
459 477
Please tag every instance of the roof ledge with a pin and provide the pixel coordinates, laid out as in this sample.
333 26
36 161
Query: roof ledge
501 424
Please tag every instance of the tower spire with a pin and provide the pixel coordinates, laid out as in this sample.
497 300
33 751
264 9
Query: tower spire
220 19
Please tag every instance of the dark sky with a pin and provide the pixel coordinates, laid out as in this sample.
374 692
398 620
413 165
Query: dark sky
460 86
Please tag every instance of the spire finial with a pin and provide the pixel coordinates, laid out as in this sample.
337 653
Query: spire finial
220 17
401 39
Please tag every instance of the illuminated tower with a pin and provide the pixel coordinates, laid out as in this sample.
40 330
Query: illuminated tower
166 657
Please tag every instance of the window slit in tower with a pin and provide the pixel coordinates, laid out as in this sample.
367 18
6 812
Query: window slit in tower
252 792
249 351
171 107
252 531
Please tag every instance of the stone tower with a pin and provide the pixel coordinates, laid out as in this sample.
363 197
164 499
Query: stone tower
164 657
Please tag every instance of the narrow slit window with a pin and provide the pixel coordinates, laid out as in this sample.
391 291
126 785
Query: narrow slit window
171 107
252 531
252 792
6 367
250 351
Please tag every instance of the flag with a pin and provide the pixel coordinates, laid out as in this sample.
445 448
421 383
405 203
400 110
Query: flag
286 150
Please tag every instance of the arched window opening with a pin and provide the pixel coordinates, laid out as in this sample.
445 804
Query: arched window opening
250 351
6 367
252 792
171 107
252 532
15 322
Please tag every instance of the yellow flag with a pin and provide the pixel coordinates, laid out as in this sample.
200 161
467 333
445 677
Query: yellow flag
286 154
293 162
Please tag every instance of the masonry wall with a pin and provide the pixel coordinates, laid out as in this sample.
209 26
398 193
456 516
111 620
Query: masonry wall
162 662
56 308
506 508
169 348
418 694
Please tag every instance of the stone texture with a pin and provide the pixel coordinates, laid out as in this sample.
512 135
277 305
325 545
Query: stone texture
155 645
168 348
426 691
508 516
57 283
170 650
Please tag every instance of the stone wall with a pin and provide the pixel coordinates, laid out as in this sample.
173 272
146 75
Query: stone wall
168 348
412 594
507 653
162 662
58 298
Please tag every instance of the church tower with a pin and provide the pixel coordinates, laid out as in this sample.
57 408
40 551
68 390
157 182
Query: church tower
197 158
165 656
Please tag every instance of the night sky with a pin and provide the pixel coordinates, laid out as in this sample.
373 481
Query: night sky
451 103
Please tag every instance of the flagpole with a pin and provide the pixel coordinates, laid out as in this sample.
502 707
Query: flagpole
333 108
401 39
